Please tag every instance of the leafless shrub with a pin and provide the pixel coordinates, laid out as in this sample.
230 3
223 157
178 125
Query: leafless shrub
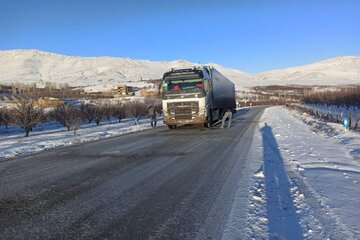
354 123
26 115
278 94
6 118
343 97
119 111
108 111
58 114
75 117
135 109
67 116
87 111
98 113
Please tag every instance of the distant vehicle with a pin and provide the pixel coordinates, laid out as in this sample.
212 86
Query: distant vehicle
196 95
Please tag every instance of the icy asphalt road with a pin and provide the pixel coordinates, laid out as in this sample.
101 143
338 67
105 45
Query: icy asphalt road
157 184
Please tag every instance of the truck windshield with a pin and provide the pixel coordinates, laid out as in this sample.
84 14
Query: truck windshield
187 85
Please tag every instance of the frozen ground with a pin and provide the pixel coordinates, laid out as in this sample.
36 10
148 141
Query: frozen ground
300 179
306 182
353 111
51 135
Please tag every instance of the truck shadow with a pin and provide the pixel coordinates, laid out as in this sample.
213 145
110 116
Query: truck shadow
238 117
283 221
241 111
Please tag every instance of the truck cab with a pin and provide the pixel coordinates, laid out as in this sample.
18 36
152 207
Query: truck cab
188 96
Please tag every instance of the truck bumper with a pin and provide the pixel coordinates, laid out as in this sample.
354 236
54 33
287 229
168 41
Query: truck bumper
170 120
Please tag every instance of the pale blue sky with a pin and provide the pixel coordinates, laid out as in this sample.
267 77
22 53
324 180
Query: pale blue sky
251 35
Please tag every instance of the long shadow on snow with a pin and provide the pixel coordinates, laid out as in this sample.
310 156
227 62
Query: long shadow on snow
283 221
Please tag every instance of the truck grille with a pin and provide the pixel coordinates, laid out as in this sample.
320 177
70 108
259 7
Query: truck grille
183 110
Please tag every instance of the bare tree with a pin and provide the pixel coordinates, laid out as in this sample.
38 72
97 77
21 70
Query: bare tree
108 111
94 112
6 117
58 114
26 115
74 119
99 114
135 109
2 114
342 97
119 111
68 116
87 111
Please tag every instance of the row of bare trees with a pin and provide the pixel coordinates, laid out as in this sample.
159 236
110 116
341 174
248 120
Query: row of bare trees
26 115
353 120
68 116
344 97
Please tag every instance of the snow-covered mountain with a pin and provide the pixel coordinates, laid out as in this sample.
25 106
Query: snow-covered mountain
94 73
103 73
333 71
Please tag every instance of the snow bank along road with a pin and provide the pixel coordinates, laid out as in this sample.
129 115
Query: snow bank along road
270 176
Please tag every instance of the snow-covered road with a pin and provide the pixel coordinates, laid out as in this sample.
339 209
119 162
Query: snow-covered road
276 175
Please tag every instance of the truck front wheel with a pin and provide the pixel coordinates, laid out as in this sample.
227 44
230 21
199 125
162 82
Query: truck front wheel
171 126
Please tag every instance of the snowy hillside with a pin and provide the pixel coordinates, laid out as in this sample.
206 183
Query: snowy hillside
103 73
240 78
96 73
334 71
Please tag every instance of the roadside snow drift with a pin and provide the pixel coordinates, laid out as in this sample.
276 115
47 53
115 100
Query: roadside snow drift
42 138
306 183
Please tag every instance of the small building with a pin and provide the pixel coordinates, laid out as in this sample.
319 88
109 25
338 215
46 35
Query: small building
45 102
149 93
123 90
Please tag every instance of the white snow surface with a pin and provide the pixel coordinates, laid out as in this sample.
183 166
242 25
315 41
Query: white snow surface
51 135
306 180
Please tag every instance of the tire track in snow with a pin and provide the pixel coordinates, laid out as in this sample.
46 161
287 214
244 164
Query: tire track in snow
330 223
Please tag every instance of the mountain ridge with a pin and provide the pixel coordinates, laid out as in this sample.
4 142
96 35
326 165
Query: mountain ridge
331 71
106 72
